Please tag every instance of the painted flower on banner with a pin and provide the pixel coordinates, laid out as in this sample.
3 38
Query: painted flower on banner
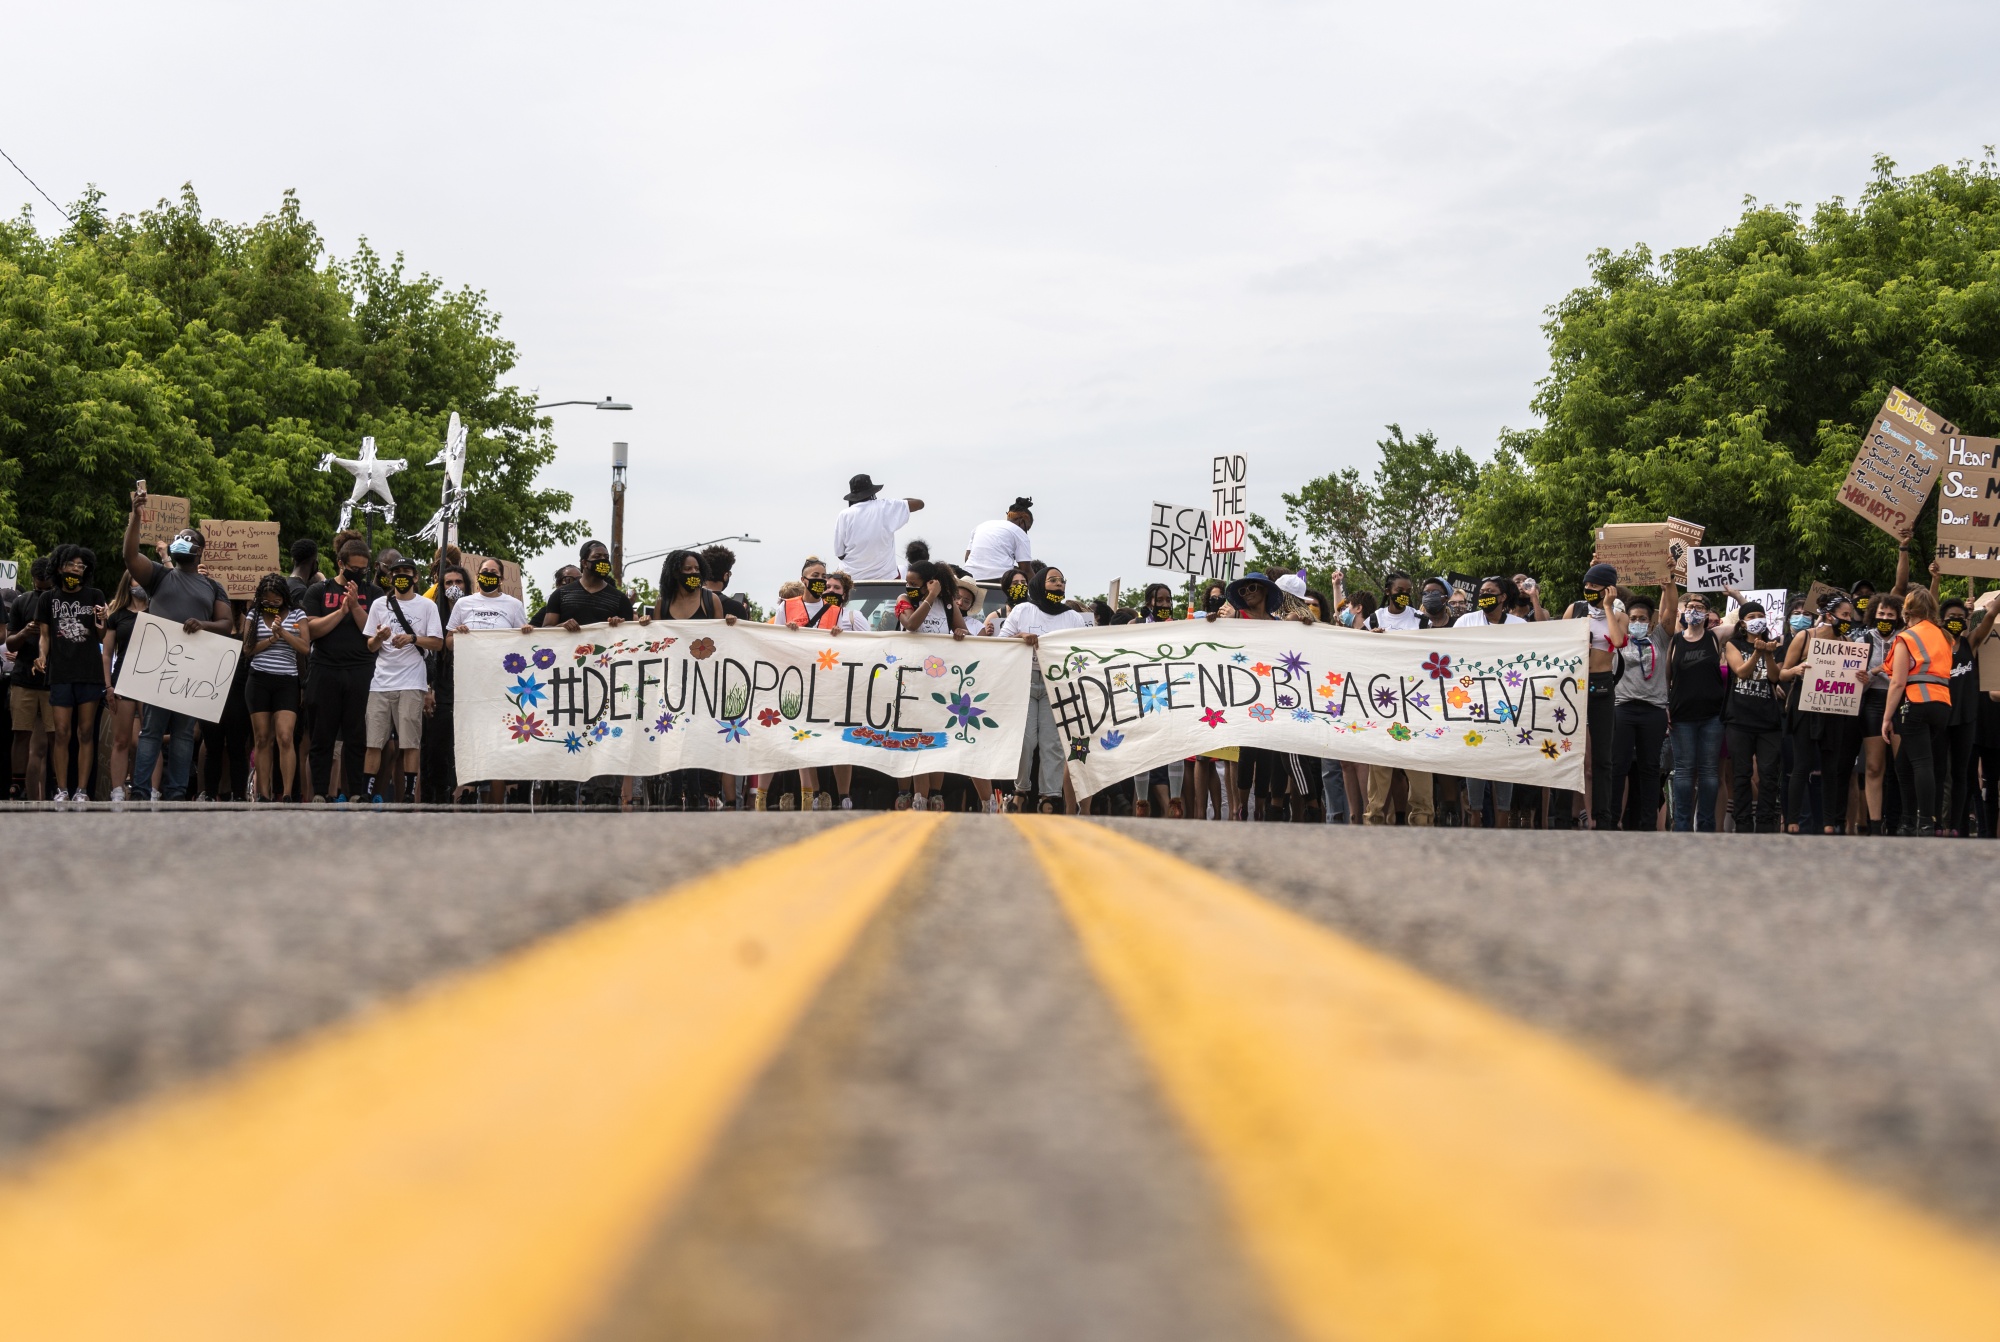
1261 669
584 650
1334 680
1261 712
933 666
600 731
828 659
663 723
1562 716
1302 714
1566 745
603 660
1503 711
1398 732
513 664
526 727
1213 718
1548 691
1293 664
1153 698
1079 750
1420 700
573 742
545 658
1239 657
661 644
1524 737
961 711
891 659
1457 697
1473 738
733 730
1512 679
1385 698
1111 740
1437 666
702 649
1549 749
527 690
770 717
802 734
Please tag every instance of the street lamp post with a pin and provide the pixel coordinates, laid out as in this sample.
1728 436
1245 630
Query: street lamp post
618 513
606 404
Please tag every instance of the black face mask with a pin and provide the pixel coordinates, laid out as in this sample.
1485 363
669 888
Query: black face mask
1955 626
1843 627
1213 601
71 582
817 587
489 582
1018 592
1885 627
835 599
602 568
1399 601
1163 609
691 581
356 575
912 595
271 613
1488 602
1594 598
402 582
1435 602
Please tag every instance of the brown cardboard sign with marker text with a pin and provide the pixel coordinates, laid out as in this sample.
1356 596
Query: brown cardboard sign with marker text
1647 554
238 554
1901 453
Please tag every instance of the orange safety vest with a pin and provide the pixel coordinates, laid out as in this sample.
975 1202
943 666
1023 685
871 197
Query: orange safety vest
1930 663
795 613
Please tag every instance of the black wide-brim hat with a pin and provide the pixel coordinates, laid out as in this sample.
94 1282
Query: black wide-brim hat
1274 595
861 487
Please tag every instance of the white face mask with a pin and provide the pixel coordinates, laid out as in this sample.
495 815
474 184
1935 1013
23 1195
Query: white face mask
1640 628
1756 624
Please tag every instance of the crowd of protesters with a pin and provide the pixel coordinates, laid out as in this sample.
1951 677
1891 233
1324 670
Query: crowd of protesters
343 692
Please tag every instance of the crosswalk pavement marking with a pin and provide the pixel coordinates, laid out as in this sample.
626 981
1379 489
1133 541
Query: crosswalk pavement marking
1406 1163
479 1163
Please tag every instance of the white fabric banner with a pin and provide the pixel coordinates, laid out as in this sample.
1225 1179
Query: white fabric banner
742 699
1504 703
168 667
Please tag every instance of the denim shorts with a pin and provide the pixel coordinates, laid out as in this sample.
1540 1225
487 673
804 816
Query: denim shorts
75 695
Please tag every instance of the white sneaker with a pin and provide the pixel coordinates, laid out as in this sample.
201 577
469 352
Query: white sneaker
847 803
61 797
118 794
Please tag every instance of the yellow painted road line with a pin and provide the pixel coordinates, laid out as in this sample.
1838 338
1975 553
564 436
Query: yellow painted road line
478 1164
1406 1163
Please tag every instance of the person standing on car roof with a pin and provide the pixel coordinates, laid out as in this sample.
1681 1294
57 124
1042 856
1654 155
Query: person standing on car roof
1002 543
864 536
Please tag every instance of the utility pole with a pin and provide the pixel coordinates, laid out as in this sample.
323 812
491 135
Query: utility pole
618 514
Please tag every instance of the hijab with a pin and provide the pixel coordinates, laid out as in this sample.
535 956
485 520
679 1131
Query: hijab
1038 592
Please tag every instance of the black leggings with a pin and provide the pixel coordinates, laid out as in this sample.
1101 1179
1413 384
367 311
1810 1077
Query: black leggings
1834 752
1961 811
1923 764
1761 746
1639 731
340 713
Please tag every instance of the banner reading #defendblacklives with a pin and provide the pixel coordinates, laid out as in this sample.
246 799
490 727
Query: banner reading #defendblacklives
1504 702
743 699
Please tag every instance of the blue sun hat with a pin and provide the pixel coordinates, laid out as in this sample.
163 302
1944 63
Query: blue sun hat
1274 596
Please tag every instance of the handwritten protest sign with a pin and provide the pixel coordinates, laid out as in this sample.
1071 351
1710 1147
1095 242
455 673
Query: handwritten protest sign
1504 702
1968 539
1817 593
161 518
1229 475
10 570
1712 568
1836 673
240 553
743 698
510 574
1775 601
1989 665
188 673
1647 554
1180 541
1901 454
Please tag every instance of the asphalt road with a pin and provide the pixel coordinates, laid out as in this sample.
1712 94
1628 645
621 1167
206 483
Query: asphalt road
959 1139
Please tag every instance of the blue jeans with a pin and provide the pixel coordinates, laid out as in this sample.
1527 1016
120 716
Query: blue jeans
1333 792
155 723
1697 774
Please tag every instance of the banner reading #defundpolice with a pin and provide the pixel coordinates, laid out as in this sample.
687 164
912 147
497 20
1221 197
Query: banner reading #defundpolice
742 699
1504 702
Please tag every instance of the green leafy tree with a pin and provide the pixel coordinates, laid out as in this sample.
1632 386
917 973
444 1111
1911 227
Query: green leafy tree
1402 517
222 361
1728 383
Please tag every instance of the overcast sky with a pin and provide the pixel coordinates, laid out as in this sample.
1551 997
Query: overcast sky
1068 250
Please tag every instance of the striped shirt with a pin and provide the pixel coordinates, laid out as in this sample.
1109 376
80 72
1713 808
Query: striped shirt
278 659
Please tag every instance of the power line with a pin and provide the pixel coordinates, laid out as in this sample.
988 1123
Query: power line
37 185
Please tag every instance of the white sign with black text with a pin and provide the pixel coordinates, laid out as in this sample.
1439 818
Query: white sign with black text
173 669
1716 568
1178 540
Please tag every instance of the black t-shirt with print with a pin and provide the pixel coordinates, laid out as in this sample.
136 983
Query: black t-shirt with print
1755 702
344 644
19 616
587 607
1696 689
75 654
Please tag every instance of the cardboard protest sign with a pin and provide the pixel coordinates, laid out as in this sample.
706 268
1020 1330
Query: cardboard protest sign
1179 540
743 698
1502 701
1901 453
240 553
1817 593
510 573
1647 554
161 518
1968 538
188 673
1774 600
1713 568
1836 674
1229 512
1989 665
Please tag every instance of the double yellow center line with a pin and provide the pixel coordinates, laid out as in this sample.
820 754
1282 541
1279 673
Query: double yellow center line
1402 1162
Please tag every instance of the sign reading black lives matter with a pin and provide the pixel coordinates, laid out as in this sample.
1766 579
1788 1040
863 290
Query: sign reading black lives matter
1968 539
1717 568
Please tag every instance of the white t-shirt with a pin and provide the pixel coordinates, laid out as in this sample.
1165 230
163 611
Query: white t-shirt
851 620
1478 617
1385 618
864 539
480 611
403 668
1028 618
995 547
